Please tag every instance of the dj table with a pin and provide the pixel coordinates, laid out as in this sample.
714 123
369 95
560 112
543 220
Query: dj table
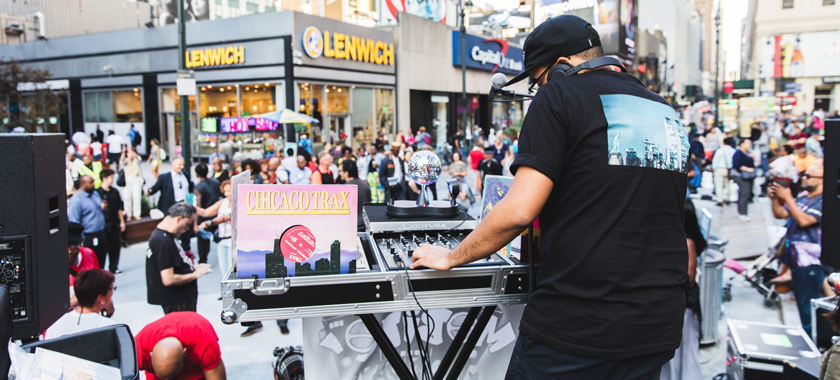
382 283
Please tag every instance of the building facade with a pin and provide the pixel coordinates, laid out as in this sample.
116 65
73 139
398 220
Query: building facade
429 77
681 25
272 61
793 53
57 19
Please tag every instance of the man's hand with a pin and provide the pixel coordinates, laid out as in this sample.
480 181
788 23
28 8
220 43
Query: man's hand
104 205
122 226
431 256
781 192
201 269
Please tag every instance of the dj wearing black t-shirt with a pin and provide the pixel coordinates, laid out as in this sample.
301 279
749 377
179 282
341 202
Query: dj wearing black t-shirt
602 163
170 274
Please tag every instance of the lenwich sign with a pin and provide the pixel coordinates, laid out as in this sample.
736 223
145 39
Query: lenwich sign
345 46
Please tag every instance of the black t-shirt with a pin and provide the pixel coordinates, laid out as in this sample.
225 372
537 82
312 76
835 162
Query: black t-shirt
491 167
209 190
613 254
165 252
115 204
456 141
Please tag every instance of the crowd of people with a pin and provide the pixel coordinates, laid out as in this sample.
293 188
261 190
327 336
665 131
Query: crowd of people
781 160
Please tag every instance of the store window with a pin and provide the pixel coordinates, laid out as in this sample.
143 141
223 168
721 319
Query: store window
219 101
787 4
506 117
828 2
171 102
440 112
128 106
363 117
385 109
338 99
258 98
98 107
311 104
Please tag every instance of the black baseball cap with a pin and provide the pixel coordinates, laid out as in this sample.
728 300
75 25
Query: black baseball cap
75 233
559 36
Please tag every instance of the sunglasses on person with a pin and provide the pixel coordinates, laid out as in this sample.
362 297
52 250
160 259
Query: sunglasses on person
810 176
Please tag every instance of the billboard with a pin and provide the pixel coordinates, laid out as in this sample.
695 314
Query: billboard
602 14
627 29
800 55
194 10
491 54
442 11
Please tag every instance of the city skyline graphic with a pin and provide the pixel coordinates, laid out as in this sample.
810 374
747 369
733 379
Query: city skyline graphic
644 133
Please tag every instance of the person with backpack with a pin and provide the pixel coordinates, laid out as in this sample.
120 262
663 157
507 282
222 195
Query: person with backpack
134 137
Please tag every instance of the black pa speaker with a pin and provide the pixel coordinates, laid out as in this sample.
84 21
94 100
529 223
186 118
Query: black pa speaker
831 196
33 230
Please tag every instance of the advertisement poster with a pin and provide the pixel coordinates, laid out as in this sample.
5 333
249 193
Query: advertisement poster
602 14
754 110
495 188
440 11
194 10
800 55
728 114
289 231
342 348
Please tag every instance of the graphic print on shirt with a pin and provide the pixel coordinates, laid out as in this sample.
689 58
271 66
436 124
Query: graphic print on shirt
644 133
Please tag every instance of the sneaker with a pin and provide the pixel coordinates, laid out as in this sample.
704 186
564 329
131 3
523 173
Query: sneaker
284 326
719 204
125 243
745 218
251 330
118 272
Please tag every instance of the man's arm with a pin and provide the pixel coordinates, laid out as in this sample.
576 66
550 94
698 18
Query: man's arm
155 188
801 217
74 212
513 214
169 278
217 373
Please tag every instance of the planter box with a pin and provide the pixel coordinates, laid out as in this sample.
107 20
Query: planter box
138 231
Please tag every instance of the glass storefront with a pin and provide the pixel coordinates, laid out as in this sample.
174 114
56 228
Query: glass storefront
440 118
357 111
33 113
506 116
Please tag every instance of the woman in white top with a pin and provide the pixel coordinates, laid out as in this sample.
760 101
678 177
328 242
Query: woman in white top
94 289
221 210
133 190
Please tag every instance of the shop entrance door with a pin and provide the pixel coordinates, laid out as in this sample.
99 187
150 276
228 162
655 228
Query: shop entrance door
171 133
340 124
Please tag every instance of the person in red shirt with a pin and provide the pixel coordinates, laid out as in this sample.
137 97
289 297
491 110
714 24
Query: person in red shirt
477 153
181 345
79 258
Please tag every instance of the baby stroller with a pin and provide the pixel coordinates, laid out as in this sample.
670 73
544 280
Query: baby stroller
759 274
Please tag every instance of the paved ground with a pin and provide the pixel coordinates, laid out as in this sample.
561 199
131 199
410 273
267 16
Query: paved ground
251 358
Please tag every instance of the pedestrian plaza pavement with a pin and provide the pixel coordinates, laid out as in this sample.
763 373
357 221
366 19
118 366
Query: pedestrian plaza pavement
251 357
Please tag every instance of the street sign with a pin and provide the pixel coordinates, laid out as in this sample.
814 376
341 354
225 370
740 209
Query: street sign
831 80
728 86
793 87
186 83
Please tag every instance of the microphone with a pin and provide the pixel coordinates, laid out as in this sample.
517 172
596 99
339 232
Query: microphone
498 81
497 84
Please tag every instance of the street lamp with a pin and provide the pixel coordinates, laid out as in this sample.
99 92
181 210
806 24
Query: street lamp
717 69
468 3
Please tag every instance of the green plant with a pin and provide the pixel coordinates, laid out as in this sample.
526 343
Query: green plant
146 205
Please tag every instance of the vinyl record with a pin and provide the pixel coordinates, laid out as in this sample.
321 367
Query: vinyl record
297 243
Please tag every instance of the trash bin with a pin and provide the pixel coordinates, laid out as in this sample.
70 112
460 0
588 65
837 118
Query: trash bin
114 347
717 243
711 294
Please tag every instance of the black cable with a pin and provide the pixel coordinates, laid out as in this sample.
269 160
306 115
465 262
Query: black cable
429 316
459 224
424 356
408 344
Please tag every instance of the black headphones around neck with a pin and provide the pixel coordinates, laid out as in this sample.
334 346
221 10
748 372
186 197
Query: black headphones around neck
563 69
